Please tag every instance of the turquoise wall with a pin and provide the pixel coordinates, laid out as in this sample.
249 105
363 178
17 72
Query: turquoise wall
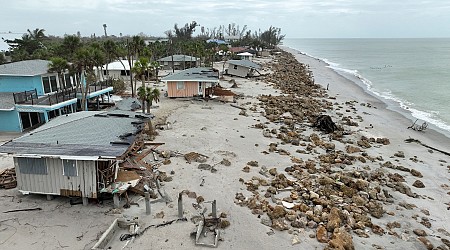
9 121
21 83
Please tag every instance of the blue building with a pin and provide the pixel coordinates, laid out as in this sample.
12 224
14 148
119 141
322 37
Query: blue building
30 95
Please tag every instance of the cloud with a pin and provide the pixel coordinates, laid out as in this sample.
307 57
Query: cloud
296 17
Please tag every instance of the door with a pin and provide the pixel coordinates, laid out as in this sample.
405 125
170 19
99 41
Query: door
200 88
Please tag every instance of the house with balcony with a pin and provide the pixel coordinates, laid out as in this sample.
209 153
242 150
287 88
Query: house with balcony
179 62
30 95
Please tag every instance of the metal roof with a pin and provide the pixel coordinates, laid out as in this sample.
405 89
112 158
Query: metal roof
194 74
178 58
25 68
245 63
117 65
6 101
80 134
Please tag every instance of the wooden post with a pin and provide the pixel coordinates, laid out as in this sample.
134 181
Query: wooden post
148 209
214 209
180 205
116 200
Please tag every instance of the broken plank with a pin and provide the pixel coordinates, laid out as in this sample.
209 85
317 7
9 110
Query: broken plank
154 143
237 106
23 210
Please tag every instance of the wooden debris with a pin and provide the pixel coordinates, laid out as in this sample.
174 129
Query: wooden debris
23 210
417 127
8 178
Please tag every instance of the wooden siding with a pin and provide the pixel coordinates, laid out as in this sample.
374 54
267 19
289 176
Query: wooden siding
55 183
190 89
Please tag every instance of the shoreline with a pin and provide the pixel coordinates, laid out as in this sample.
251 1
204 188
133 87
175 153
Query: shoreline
391 104
248 154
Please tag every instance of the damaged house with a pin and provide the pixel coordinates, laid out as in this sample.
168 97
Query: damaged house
242 68
74 155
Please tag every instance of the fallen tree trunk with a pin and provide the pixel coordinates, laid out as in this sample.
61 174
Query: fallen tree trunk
425 145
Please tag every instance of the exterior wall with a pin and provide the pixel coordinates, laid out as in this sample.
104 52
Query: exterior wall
55 183
240 71
21 83
178 65
116 74
190 89
9 121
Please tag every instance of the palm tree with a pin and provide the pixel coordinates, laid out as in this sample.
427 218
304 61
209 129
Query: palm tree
155 66
142 93
59 65
69 46
151 94
37 34
141 67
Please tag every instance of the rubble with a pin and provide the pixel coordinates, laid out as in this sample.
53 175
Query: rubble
8 178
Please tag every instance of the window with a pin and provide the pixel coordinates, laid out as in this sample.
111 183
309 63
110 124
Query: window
235 67
180 85
46 83
70 168
53 83
50 84
68 81
32 166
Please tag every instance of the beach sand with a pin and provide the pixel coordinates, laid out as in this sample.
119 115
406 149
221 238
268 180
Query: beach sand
218 131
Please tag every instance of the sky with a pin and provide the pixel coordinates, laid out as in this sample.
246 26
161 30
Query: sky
296 18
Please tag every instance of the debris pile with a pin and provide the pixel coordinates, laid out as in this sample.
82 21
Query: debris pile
8 178
320 194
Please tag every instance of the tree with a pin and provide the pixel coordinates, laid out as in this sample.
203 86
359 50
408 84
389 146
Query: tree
142 94
2 58
69 46
185 33
151 95
24 47
141 68
271 37
134 47
86 58
58 65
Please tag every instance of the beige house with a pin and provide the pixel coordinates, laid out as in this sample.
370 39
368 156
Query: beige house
191 82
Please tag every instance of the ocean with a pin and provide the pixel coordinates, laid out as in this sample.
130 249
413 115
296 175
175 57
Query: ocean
411 75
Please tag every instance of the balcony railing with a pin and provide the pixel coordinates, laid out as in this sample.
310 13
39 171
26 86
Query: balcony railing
99 86
31 97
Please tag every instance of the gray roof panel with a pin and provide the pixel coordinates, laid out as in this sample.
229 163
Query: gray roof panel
178 58
25 68
84 133
6 101
245 63
194 74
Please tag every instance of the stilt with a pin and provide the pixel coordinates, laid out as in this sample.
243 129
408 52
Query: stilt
180 205
49 197
116 200
148 209
85 201
214 209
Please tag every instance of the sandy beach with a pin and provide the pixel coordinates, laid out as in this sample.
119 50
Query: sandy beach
278 181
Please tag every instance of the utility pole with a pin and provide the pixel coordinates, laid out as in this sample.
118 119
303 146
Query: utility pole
104 27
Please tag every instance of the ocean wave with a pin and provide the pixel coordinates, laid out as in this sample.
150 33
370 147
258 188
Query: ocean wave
427 116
